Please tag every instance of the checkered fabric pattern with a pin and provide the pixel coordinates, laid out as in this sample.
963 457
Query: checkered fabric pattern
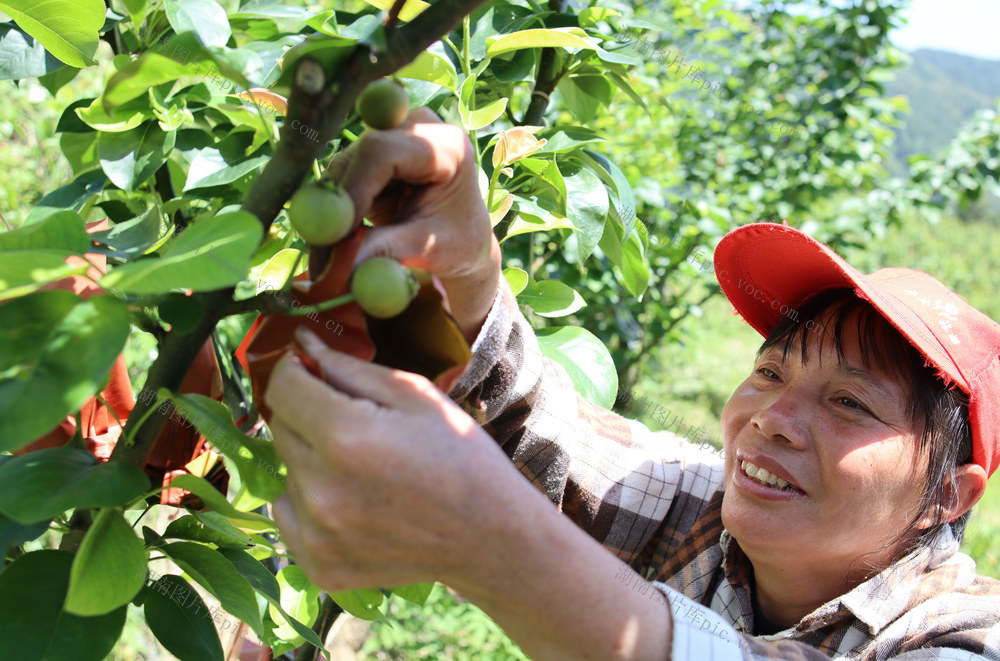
655 500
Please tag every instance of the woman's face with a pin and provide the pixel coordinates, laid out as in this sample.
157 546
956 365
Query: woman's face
839 451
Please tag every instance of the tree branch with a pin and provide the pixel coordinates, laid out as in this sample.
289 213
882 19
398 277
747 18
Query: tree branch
316 103
546 81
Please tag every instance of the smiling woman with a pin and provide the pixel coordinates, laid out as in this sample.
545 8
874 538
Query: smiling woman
829 527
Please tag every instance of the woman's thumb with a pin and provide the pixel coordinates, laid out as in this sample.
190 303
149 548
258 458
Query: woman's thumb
404 242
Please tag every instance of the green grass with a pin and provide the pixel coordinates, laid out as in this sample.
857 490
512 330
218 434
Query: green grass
443 628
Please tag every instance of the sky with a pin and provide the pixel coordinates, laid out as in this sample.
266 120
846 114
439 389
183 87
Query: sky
969 27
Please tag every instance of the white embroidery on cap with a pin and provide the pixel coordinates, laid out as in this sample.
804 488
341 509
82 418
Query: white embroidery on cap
947 313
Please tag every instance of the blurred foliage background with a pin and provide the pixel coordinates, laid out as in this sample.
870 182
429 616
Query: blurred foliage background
801 112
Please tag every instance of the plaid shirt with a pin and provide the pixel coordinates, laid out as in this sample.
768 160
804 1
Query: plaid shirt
655 499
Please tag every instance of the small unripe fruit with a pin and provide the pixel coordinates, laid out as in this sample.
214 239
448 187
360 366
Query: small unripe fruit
383 104
321 215
383 287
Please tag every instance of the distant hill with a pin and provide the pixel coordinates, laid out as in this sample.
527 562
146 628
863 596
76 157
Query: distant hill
945 90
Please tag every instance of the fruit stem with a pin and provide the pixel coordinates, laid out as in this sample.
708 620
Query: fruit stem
325 305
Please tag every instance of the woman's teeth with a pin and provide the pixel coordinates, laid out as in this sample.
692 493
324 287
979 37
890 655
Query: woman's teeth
764 477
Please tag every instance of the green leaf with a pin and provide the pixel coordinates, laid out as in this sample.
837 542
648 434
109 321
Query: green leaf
71 196
136 10
211 167
23 57
43 484
433 68
129 158
256 574
585 358
26 271
517 279
585 95
32 622
615 179
527 222
567 138
80 150
108 569
13 533
212 253
635 270
63 230
587 206
137 77
514 67
551 298
541 38
217 575
278 269
179 625
122 118
299 600
477 119
134 237
215 500
55 354
260 471
206 18
264 582
360 603
208 527
59 78
67 28
416 593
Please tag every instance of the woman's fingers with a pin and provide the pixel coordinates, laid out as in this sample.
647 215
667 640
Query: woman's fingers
352 388
294 451
356 378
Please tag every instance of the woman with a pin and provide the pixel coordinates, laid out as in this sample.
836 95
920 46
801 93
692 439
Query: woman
829 528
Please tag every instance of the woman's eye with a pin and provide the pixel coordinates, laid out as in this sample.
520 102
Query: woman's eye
852 404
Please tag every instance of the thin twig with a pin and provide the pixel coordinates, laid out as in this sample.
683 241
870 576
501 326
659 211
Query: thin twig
393 16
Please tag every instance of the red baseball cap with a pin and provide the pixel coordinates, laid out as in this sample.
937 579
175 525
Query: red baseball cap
766 270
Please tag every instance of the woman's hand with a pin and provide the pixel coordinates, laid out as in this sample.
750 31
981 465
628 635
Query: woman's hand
418 184
402 480
405 487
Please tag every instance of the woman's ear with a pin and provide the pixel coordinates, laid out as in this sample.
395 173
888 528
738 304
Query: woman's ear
967 488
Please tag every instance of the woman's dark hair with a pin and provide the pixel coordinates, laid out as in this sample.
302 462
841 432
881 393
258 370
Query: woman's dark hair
939 412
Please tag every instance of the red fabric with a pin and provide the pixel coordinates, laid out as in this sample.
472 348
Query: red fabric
271 336
179 442
768 269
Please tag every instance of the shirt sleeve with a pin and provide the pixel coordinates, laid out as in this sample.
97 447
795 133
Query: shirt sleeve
612 476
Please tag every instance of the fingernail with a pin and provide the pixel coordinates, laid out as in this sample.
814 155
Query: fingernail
308 340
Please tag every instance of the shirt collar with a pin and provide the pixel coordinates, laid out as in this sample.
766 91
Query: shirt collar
876 602
887 595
